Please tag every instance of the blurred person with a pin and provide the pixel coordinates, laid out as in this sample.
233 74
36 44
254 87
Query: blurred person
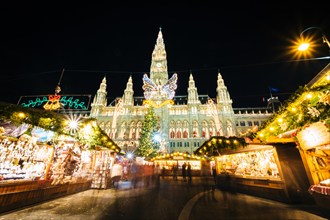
135 173
189 172
175 171
184 172
214 174
157 173
116 173
163 172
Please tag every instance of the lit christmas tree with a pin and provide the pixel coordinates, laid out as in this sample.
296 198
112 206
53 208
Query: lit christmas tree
148 145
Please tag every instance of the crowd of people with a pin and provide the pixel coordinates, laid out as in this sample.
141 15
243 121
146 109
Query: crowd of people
146 175
185 172
137 174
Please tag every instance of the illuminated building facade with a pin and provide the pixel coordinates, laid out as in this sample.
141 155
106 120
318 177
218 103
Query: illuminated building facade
185 121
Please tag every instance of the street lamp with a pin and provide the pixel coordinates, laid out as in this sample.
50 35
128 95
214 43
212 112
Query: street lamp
306 42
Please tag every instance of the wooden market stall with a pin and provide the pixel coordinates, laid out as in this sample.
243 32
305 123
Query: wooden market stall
32 172
42 159
314 147
304 122
264 170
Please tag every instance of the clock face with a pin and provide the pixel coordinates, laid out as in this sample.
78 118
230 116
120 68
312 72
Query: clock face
158 64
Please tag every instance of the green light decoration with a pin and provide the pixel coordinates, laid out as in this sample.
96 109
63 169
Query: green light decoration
65 102
75 103
36 103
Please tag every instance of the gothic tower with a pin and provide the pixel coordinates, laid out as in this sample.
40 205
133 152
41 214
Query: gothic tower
158 68
100 99
128 93
225 109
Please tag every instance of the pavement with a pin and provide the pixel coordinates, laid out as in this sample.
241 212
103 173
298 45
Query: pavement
171 200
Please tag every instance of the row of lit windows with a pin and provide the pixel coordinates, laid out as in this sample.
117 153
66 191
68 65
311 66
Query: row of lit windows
183 144
194 135
248 123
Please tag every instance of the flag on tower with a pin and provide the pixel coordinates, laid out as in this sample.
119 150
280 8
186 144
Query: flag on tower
272 89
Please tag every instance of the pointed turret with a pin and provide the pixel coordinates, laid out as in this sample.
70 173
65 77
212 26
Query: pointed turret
101 96
158 68
223 97
225 109
192 91
100 99
128 93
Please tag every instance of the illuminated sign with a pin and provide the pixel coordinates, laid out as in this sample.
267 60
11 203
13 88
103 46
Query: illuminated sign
53 102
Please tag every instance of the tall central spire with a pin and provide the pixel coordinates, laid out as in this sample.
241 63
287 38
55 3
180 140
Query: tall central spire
158 87
158 68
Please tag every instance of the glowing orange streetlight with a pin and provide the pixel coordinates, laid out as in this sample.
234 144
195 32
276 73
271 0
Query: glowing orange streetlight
307 42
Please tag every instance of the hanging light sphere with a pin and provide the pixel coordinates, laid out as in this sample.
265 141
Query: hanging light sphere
57 89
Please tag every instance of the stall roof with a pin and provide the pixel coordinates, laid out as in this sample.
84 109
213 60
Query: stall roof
53 121
309 104
216 144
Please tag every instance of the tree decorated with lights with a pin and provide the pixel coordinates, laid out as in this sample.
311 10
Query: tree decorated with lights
148 146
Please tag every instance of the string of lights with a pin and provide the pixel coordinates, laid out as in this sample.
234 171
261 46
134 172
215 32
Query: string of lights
13 77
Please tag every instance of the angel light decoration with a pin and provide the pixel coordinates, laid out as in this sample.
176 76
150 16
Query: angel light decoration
157 91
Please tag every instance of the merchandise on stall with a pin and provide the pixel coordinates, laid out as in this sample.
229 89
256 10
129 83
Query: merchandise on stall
102 162
66 162
314 146
23 158
259 163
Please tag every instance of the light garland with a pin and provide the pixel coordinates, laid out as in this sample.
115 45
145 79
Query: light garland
215 145
55 122
157 104
309 106
175 155
53 102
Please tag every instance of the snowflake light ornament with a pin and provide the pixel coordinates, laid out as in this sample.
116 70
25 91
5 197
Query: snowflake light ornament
313 112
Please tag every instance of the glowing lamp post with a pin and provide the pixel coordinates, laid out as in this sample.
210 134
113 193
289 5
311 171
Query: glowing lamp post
306 42
158 138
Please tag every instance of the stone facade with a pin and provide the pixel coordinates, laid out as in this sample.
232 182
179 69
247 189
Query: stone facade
185 121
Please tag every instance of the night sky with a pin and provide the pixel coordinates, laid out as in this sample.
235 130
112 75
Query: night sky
249 43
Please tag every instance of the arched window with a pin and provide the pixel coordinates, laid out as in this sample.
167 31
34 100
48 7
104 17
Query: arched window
230 131
185 134
138 130
123 130
205 133
172 134
131 129
178 134
195 129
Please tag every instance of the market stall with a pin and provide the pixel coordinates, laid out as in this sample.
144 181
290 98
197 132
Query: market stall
37 164
33 171
254 169
314 146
